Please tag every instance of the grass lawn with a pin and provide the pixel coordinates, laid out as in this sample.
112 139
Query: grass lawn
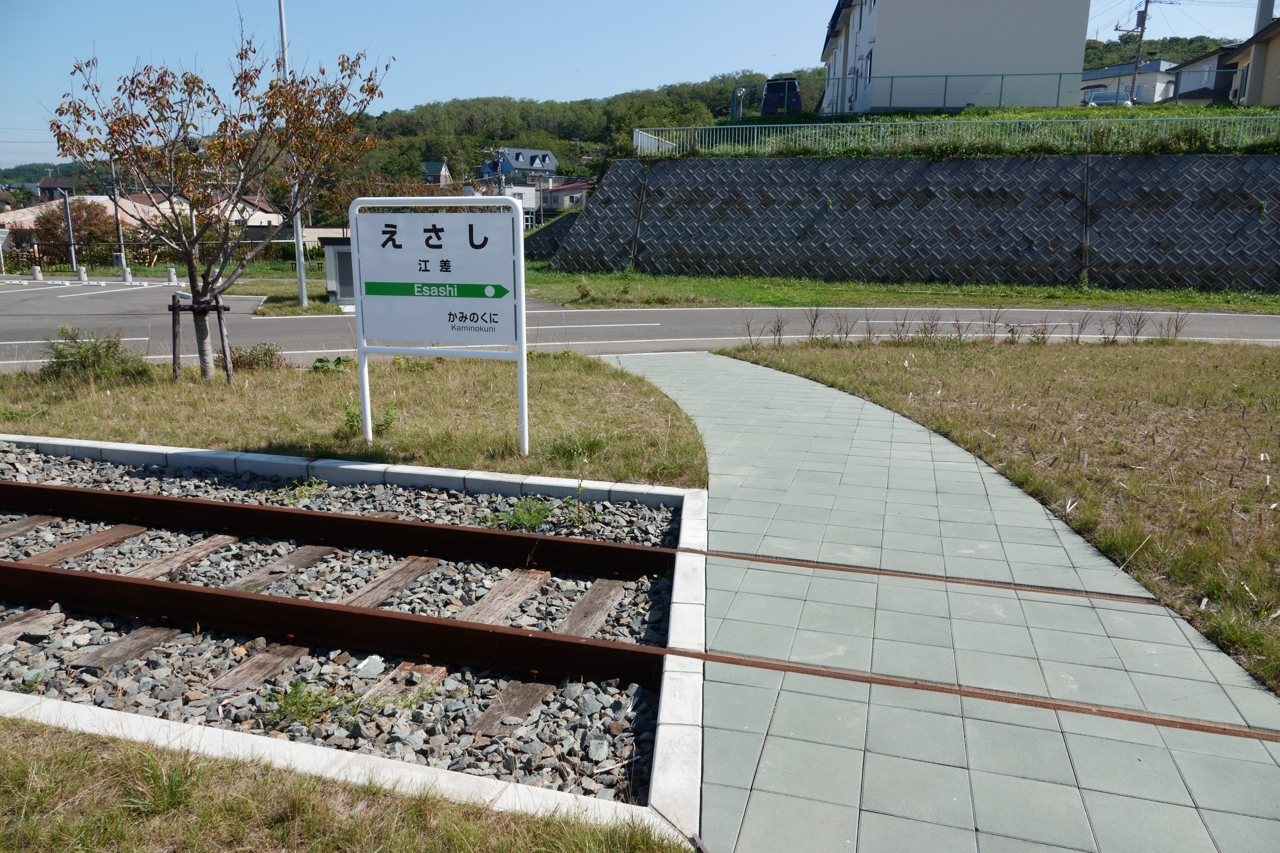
282 295
1160 454
68 791
631 289
587 420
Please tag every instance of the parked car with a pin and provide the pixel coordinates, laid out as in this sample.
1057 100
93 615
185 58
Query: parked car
781 95
1107 99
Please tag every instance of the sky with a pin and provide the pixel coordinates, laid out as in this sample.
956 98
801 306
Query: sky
563 51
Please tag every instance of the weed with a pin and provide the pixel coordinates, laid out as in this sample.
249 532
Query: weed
304 490
30 683
777 329
584 292
324 364
92 356
263 356
528 514
305 704
382 426
414 364
350 426
813 318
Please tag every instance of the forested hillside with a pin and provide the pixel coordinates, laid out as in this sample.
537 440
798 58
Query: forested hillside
1099 54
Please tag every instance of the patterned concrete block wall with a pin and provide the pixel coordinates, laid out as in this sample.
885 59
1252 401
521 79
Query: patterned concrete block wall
1165 221
543 243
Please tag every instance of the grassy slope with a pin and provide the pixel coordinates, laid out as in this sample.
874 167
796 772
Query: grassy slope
630 289
587 419
1179 441
65 791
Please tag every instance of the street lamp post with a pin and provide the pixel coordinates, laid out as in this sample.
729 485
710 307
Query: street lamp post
71 238
299 254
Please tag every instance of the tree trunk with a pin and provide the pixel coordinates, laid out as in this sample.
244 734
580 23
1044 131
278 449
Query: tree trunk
204 344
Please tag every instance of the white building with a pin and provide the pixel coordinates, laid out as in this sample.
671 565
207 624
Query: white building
1157 80
933 54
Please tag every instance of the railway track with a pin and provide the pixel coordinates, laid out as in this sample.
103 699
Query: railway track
554 703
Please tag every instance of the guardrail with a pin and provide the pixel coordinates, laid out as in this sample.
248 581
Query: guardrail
1060 136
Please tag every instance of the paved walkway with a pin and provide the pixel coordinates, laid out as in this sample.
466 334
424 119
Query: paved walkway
802 471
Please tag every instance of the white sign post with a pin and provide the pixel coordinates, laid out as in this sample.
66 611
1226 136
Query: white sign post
430 274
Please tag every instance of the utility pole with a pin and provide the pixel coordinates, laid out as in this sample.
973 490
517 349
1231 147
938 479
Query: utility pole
115 197
299 254
1141 30
71 237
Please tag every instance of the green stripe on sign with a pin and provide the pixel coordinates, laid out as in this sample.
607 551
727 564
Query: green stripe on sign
410 288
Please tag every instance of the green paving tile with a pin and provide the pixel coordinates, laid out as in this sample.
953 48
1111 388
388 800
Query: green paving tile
723 523
1242 834
795 682
775 583
722 811
1160 659
988 843
912 561
749 638
1242 749
933 793
849 555
985 606
776 823
1068 647
730 758
718 601
1014 715
1030 809
1030 753
751 676
1030 535
802 513
803 716
1092 684
972 568
789 529
1152 627
914 543
907 524
999 672
837 618
924 597
960 509
737 707
919 735
1079 618
765 609
1184 698
852 536
968 530
823 772
913 628
990 637
725 577
973 549
1103 727
1131 769
1257 705
879 833
750 509
734 543
841 516
795 549
1128 825
911 660
830 587
1042 554
835 650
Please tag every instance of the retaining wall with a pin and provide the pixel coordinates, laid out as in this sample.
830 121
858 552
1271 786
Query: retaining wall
1168 221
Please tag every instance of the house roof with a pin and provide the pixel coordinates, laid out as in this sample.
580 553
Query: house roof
1220 53
435 167
51 183
841 5
1146 67
574 187
1265 34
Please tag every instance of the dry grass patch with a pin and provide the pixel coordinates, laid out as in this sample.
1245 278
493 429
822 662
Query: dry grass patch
587 419
1160 454
65 791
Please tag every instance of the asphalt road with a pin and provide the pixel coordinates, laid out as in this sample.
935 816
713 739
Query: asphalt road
30 313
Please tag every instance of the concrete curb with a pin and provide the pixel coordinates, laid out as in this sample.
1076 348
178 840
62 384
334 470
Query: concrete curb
675 787
342 472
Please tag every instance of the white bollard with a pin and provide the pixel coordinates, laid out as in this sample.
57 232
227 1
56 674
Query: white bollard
82 273
36 275
128 276
173 276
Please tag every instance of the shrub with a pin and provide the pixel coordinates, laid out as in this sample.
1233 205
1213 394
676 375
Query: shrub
91 356
263 356
338 365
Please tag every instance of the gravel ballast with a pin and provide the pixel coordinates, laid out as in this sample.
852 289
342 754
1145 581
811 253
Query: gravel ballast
586 738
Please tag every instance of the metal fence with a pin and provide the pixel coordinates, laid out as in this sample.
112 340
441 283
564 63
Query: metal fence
1065 136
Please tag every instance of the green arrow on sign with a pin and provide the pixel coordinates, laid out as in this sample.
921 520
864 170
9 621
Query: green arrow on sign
410 288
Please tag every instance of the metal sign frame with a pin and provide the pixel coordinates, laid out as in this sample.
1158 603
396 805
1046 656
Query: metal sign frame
519 355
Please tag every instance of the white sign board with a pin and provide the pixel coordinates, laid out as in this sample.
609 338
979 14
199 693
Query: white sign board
437 277
439 270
